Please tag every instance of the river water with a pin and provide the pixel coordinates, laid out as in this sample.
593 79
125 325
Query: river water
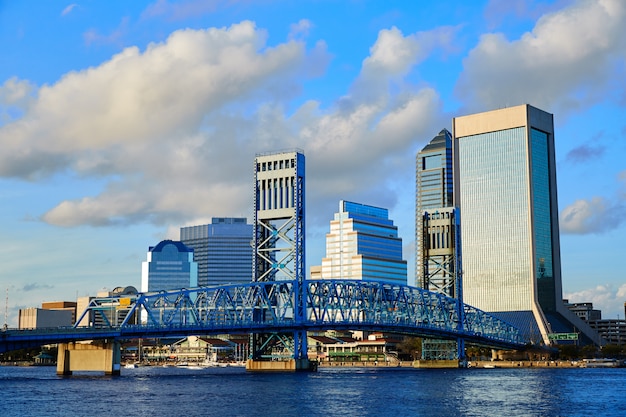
157 391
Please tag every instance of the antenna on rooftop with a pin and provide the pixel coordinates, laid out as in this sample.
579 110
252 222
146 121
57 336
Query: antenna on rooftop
6 311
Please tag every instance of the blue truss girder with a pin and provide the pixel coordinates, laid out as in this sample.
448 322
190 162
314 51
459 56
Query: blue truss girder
271 307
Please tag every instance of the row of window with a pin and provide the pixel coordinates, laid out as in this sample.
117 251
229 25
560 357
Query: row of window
275 165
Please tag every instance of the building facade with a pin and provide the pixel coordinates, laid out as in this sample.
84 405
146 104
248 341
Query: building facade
584 310
169 266
363 244
38 318
222 250
505 187
437 256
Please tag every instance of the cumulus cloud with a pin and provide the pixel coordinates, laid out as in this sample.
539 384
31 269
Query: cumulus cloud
173 130
604 297
393 55
571 59
597 215
103 119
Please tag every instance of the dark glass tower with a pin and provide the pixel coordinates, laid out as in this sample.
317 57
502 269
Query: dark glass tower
434 182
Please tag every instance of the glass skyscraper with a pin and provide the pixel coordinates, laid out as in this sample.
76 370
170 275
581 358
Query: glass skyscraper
363 244
505 187
222 249
433 182
169 266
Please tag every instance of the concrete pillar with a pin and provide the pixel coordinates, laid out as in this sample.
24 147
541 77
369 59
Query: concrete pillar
98 356
290 365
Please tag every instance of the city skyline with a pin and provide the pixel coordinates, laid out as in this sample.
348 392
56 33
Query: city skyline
109 126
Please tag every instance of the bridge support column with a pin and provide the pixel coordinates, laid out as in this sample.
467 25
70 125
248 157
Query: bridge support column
290 365
103 356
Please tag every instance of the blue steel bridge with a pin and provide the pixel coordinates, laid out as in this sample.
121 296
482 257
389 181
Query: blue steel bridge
278 307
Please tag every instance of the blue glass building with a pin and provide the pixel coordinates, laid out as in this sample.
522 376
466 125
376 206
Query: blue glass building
222 249
433 200
363 244
169 266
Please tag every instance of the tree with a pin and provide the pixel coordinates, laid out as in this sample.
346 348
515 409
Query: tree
410 347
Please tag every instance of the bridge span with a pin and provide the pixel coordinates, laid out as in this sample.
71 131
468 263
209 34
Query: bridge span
278 307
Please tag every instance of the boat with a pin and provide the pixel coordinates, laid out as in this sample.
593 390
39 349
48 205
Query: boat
602 363
130 366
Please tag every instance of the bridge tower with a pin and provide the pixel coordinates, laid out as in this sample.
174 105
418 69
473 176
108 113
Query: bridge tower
441 268
279 219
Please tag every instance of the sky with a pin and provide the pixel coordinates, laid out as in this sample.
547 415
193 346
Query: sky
121 122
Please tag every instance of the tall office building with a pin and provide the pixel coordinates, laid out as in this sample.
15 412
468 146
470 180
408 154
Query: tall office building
505 187
437 249
169 266
222 250
435 219
363 244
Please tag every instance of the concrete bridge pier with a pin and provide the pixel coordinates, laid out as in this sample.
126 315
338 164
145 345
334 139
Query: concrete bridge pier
290 365
103 356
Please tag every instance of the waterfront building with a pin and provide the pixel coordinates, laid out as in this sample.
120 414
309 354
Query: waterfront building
374 349
505 188
584 310
222 250
612 331
363 244
169 266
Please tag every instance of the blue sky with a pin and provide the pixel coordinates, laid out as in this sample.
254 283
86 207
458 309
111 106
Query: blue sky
122 121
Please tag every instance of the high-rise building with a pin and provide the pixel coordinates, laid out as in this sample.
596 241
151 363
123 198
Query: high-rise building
363 244
505 187
222 250
437 248
169 266
435 220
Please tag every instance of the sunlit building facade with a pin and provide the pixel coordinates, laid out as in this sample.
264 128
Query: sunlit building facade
363 244
505 187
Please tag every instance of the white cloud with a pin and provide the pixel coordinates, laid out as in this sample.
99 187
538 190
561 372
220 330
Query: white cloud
597 215
300 29
15 97
604 297
68 9
394 55
571 59
173 130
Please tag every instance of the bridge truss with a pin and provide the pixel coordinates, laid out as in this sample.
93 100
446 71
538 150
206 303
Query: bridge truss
270 307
